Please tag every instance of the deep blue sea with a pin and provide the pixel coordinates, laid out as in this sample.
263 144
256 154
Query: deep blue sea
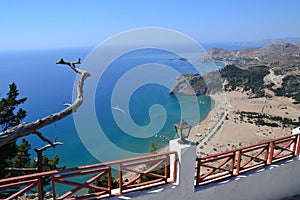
48 86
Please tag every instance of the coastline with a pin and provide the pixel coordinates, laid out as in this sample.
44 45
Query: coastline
198 132
223 129
209 128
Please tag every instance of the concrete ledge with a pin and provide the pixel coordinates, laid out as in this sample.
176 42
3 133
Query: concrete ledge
273 182
276 181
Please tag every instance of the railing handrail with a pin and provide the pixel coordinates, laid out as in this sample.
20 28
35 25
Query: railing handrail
264 153
249 146
266 148
28 176
86 169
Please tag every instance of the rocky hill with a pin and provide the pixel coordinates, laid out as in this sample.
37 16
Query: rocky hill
268 71
281 56
195 84
189 84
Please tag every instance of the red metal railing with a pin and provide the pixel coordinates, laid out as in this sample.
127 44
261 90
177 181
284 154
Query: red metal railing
232 163
27 182
141 173
66 177
153 170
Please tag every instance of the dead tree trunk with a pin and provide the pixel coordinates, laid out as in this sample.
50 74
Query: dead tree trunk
24 129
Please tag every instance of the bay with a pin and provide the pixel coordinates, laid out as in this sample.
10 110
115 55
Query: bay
48 86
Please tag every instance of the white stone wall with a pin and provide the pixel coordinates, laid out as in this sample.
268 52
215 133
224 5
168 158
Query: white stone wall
274 182
270 183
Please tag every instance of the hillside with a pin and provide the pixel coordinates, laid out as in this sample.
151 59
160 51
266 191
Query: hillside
281 56
268 71
250 80
195 84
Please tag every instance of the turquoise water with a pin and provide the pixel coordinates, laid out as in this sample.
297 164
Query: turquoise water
48 86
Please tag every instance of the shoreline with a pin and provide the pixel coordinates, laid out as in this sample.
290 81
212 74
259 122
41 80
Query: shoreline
194 134
223 129
211 125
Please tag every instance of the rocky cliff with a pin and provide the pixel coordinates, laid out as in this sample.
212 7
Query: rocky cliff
189 84
195 84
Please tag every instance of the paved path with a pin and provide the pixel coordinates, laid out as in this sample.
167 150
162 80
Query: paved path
203 145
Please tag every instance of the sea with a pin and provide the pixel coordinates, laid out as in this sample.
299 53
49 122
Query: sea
49 86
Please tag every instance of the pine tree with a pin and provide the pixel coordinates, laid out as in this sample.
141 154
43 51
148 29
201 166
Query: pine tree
13 155
9 117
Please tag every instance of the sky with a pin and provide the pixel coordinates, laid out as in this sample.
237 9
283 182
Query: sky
34 24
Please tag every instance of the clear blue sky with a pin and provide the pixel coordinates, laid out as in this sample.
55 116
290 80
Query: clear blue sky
65 23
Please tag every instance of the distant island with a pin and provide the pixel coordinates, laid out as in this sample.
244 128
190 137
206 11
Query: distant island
265 42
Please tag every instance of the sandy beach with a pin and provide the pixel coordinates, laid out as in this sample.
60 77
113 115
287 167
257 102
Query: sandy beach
223 129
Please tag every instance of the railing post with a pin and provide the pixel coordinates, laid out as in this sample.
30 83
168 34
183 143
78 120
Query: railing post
173 167
297 145
198 172
232 164
294 146
185 166
267 154
296 131
121 178
40 187
166 169
109 180
53 187
270 160
238 164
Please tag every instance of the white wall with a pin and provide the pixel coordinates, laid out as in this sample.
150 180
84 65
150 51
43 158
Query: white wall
273 182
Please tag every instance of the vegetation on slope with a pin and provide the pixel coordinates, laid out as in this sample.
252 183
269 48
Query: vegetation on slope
267 120
290 88
248 80
252 79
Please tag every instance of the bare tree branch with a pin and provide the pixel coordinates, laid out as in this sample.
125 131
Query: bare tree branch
43 137
25 129
48 146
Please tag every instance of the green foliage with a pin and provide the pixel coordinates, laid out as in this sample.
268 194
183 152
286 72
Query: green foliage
154 147
268 120
251 79
9 117
290 88
103 182
50 163
160 171
22 158
13 155
7 154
